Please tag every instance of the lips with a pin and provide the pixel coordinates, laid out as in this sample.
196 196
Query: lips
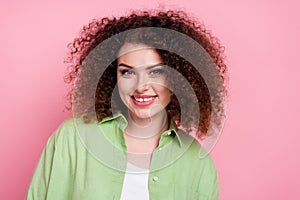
143 100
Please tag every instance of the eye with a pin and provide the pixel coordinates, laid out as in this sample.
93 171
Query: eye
157 72
127 72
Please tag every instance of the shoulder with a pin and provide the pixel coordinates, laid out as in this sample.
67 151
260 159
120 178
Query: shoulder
71 127
64 135
195 154
74 133
65 129
193 147
67 125
200 154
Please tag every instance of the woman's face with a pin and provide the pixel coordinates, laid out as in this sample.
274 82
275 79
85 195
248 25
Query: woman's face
142 82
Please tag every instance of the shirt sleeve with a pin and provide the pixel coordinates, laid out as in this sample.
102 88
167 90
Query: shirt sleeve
215 187
208 188
40 181
210 183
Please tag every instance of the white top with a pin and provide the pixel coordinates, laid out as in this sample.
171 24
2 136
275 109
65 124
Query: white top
135 185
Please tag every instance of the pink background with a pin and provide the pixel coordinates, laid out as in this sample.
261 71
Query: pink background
257 154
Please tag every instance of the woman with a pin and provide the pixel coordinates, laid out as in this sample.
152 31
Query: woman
141 85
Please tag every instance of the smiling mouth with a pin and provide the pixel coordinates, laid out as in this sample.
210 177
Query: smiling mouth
142 100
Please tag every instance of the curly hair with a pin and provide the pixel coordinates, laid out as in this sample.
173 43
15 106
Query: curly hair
84 63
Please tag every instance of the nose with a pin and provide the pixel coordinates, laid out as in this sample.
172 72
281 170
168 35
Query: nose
143 84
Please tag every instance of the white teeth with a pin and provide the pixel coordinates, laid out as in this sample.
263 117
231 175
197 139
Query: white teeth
144 99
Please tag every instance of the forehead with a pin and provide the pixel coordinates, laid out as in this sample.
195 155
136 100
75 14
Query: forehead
138 55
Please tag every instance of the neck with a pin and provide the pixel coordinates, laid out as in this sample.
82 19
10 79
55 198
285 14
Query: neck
146 128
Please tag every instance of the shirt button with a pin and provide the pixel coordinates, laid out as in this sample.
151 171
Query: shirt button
155 178
159 148
170 132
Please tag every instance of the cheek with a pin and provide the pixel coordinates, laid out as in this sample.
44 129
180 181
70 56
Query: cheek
121 87
124 87
168 96
122 92
166 85
165 94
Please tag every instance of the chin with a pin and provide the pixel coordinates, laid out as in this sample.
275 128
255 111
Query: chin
147 113
138 114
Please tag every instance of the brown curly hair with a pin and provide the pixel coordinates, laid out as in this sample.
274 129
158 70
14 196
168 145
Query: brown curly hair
83 65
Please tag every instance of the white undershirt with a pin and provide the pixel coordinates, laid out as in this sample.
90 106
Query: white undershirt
135 185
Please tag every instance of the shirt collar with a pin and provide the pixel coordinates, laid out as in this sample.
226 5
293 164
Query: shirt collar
122 123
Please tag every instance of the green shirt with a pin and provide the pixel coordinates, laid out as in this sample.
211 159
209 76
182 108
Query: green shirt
88 161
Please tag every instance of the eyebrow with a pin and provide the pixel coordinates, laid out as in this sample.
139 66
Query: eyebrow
149 67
